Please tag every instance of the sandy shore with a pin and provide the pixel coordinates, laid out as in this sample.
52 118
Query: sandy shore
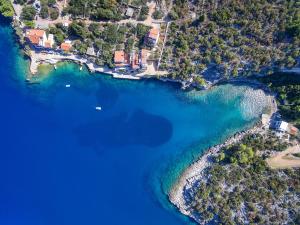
196 170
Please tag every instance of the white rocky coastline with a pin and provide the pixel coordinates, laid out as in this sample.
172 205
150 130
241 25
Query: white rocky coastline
196 171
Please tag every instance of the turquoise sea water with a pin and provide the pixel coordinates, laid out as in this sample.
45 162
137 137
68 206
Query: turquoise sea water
64 163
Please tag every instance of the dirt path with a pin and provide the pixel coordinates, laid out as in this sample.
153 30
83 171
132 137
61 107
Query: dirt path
285 159
151 6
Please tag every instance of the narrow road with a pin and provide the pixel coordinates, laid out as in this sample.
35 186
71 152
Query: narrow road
162 50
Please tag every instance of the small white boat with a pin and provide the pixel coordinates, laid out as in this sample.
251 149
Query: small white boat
55 67
80 68
98 108
68 85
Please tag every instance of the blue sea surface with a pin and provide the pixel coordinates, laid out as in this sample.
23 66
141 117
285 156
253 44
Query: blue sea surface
64 163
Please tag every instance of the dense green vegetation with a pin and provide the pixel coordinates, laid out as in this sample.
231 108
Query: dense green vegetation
230 38
6 8
240 187
104 9
104 38
48 10
158 14
98 10
84 9
296 155
28 13
236 37
244 153
288 88
143 13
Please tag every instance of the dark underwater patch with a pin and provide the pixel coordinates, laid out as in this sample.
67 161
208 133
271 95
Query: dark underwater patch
107 96
138 128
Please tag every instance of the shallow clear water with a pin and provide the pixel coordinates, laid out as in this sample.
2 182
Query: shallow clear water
64 163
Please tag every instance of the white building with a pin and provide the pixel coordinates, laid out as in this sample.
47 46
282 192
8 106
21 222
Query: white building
281 126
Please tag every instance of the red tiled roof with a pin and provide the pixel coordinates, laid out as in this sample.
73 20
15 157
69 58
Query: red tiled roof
36 32
65 46
153 33
34 39
119 57
34 35
293 130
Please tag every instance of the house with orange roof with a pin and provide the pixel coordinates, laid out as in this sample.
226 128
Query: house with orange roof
49 42
293 130
152 37
39 38
121 60
36 37
135 61
66 46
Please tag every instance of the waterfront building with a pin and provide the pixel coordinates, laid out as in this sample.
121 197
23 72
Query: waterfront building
285 127
39 38
121 60
49 42
135 61
281 126
36 37
66 46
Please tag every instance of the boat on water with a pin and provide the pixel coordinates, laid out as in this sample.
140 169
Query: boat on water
80 68
55 67
68 85
98 108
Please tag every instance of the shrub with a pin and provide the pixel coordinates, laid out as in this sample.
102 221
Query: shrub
158 14
6 8
28 13
54 13
44 13
143 13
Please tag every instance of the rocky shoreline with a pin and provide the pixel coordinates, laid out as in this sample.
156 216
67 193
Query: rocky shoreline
195 171
178 195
